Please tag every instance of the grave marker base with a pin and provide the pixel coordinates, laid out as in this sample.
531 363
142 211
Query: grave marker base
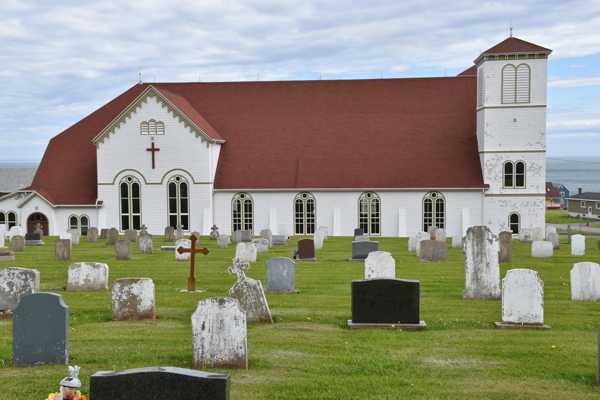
282 291
168 248
513 325
405 327
194 291
6 315
306 259
357 259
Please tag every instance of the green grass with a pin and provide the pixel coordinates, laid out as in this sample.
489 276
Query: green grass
309 353
560 217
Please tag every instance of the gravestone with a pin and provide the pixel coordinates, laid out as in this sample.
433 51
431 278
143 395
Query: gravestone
246 235
386 303
111 237
250 294
92 235
279 240
16 231
325 232
597 244
236 237
63 249
555 240
578 245
358 232
39 230
16 283
538 234
526 236
169 234
505 255
281 275
549 230
159 383
440 235
457 242
219 336
380 264
223 241
145 246
362 238
33 239
123 249
306 250
197 234
186 244
75 236
40 331
412 244
319 239
482 269
87 277
266 234
143 229
434 251
585 282
18 243
2 235
262 245
431 230
522 300
67 236
245 252
214 233
283 230
133 298
179 233
7 255
131 235
541 249
361 250
419 238
103 233
568 234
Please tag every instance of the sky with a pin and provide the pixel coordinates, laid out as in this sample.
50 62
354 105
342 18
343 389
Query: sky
60 61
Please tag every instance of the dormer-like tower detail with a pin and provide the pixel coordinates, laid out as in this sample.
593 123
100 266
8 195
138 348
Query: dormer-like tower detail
512 82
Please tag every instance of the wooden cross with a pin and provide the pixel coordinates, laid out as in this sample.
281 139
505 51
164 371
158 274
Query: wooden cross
193 250
153 150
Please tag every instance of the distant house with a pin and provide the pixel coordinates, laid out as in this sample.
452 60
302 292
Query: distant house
585 205
564 193
553 200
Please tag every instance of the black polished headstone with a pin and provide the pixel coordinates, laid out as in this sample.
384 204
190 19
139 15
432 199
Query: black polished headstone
386 301
358 232
40 331
156 383
361 250
32 236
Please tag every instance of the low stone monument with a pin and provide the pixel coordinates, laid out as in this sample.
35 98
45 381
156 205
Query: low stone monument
361 250
133 298
223 241
262 245
214 233
526 236
250 294
123 249
585 282
16 283
541 249
87 277
482 268
18 243
380 264
434 250
549 230
578 245
246 236
280 275
457 242
63 249
522 300
362 238
169 234
440 235
33 239
7 255
279 240
245 252
505 255
92 235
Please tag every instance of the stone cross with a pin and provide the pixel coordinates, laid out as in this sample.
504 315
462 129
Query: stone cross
193 250
153 150
569 234
214 228
143 229
238 269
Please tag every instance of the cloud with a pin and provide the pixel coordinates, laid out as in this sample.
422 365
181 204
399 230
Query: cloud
574 81
578 65
572 135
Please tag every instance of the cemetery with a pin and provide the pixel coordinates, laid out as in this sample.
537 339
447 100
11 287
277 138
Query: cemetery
271 327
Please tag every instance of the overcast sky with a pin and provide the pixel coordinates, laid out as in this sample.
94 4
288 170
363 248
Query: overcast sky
60 62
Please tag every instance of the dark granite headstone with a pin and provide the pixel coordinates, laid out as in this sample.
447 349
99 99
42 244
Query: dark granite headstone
156 383
361 250
32 236
246 236
306 248
434 251
40 331
358 232
386 301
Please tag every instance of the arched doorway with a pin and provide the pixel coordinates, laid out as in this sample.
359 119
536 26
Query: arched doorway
37 218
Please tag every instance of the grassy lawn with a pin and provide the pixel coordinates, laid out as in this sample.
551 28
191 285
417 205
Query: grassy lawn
309 353
560 217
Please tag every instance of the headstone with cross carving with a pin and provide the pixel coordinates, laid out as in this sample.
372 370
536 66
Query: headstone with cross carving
250 293
179 234
193 250
143 229
39 231
214 234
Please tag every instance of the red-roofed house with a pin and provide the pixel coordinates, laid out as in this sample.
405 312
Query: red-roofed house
391 156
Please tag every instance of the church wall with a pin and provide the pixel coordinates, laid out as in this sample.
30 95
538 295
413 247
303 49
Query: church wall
62 214
535 172
37 205
498 208
10 204
497 129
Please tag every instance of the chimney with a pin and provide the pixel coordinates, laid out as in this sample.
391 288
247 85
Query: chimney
579 190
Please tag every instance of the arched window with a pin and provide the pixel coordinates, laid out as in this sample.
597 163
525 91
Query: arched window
434 210
516 84
520 174
242 212
514 222
131 207
73 222
369 213
12 219
305 214
84 224
514 174
2 218
152 127
509 170
178 192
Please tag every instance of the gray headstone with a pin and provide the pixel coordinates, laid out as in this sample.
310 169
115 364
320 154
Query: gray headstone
250 294
262 245
92 235
131 235
103 233
179 233
361 250
412 244
358 232
223 241
569 234
457 242
482 268
281 275
197 234
87 277
32 237
75 237
555 240
133 298
236 237
279 240
505 255
214 233
16 283
434 251
440 235
246 236
419 238
169 234
159 383
111 237
123 249
18 243
362 238
266 234
145 246
40 331
63 249
549 230
538 234
526 236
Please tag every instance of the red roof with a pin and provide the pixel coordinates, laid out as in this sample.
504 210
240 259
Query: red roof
514 45
379 133
470 71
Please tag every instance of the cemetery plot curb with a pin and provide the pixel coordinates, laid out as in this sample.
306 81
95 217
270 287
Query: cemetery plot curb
402 327
515 325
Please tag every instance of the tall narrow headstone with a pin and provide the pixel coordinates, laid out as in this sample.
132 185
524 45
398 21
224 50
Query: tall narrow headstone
522 300
63 249
419 238
179 233
245 252
133 298
16 283
111 237
568 234
380 264
236 237
250 294
432 231
578 245
319 238
169 234
482 269
585 282
87 277
505 255
538 234
123 250
266 234
412 244
40 331
75 237
219 335
281 275
197 234
145 246
440 235
18 243
325 232
92 235
103 233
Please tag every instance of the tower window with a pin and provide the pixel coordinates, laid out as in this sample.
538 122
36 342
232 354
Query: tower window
516 84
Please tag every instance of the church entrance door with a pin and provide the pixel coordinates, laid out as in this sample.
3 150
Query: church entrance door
37 218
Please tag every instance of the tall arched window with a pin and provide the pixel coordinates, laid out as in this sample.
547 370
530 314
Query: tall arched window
2 218
514 221
12 219
84 224
131 207
242 212
305 214
434 210
178 192
369 213
514 174
73 222
516 84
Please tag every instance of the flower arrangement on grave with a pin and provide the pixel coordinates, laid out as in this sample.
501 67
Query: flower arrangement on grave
69 387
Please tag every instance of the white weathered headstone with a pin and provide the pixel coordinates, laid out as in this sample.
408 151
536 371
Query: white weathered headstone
75 236
482 266
412 244
522 297
283 230
15 283
380 264
585 281
245 252
87 276
555 240
419 238
266 234
2 234
179 233
431 230
577 245
325 232
541 249
16 231
526 236
319 240
133 298
440 235
186 244
223 241
145 240
361 238
219 336
197 234
262 245
549 230
538 234
250 294
457 242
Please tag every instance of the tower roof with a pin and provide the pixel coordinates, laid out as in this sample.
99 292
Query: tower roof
514 45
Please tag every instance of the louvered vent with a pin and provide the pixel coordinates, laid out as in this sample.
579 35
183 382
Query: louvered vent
160 128
508 83
144 128
523 79
152 124
480 88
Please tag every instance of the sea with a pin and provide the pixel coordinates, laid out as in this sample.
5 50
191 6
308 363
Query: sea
572 172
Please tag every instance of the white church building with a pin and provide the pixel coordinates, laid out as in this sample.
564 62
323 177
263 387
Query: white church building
391 156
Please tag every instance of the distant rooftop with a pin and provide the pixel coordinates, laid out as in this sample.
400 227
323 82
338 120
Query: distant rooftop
12 179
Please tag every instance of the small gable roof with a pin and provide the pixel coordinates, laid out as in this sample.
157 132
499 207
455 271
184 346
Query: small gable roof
551 190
